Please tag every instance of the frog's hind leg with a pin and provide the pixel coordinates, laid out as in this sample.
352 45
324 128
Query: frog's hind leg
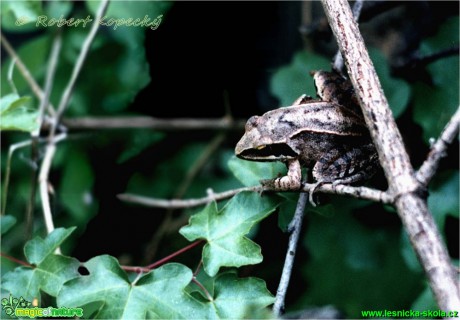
346 166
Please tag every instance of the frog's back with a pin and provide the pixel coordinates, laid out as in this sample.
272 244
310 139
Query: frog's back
316 117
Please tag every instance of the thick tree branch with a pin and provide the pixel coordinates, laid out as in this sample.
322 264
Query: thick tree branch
411 207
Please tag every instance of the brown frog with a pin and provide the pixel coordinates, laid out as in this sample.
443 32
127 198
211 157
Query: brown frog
328 135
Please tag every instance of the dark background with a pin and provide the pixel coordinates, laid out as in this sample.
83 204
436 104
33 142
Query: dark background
203 49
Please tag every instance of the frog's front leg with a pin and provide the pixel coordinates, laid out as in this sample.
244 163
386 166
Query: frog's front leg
291 181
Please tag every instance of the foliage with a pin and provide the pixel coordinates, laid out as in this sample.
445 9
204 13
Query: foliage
224 231
16 115
442 94
50 270
161 293
354 255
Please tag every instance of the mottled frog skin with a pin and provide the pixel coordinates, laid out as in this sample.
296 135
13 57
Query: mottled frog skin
328 135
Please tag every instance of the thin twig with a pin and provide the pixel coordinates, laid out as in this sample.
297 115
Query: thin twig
419 62
178 204
363 193
295 228
6 183
44 103
43 182
24 71
64 102
51 146
438 150
52 64
10 76
21 66
143 122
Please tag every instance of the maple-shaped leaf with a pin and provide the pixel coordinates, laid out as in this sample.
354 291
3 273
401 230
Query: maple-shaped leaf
50 270
158 294
238 298
37 249
225 231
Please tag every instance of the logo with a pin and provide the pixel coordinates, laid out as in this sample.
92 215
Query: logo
15 307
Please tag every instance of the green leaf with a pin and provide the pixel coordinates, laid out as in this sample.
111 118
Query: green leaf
51 270
238 298
293 80
56 9
287 210
355 267
16 114
396 91
132 35
224 231
443 199
48 276
129 65
435 104
158 294
6 223
251 172
33 54
137 142
75 190
38 249
15 11
163 180
425 301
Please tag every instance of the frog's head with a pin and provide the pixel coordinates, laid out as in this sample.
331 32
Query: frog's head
260 142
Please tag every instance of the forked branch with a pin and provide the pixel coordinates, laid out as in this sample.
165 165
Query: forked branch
409 202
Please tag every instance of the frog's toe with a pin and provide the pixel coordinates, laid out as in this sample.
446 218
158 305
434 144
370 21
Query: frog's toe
312 191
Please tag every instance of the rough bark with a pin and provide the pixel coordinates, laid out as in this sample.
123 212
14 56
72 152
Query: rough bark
409 202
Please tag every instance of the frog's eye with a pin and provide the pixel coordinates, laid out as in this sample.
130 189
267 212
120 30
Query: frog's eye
262 146
252 123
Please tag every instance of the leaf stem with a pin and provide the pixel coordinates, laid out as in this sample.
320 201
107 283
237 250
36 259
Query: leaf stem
135 269
172 255
206 292
16 260
198 268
